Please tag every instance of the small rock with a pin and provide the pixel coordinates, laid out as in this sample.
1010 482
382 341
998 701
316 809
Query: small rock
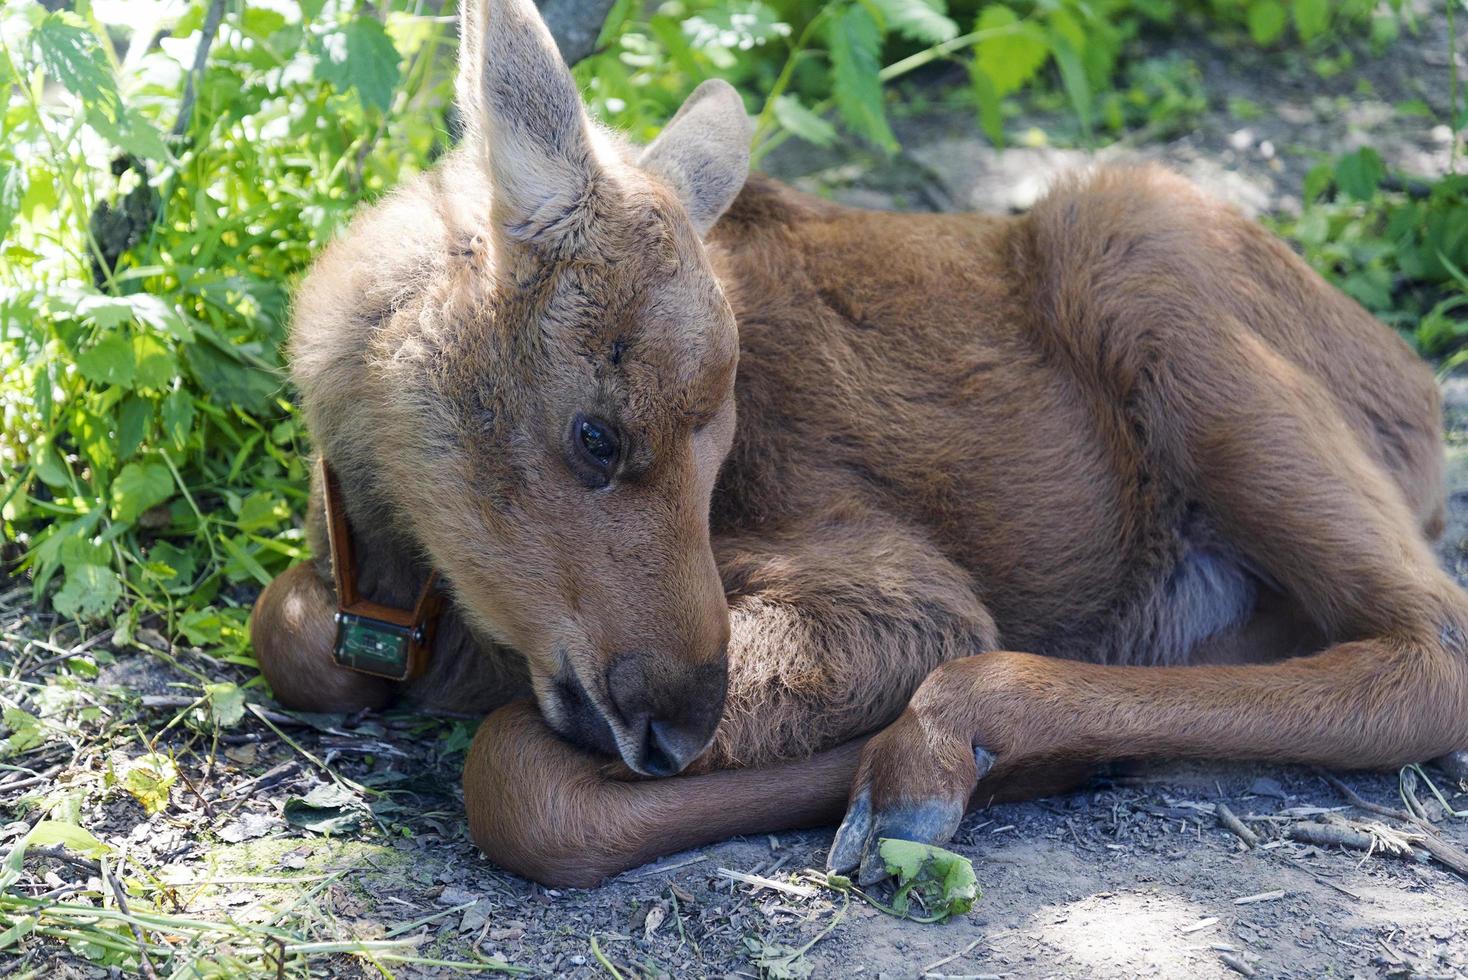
245 755
1264 786
510 931
474 917
655 916
454 895
247 827
295 859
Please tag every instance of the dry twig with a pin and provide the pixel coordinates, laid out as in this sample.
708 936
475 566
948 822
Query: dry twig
1235 825
1447 853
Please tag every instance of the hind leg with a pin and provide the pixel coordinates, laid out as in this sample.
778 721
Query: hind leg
1269 457
293 630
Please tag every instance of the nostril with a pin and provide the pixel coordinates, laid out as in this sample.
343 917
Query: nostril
659 753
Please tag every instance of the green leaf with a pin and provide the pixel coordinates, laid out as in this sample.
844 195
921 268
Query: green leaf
71 54
48 464
156 366
262 509
1073 78
138 487
24 925
792 114
991 113
69 836
778 962
1317 182
1266 20
12 191
1311 18
173 566
77 549
925 21
129 130
259 23
361 58
944 881
1359 174
25 732
732 27
228 381
202 627
327 809
1011 58
93 436
149 779
178 417
88 592
855 42
226 704
104 312
132 424
109 362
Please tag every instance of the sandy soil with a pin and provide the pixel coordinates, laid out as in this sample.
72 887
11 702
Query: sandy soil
1132 877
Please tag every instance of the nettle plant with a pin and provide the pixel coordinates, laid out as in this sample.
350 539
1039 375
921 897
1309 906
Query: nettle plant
808 65
166 169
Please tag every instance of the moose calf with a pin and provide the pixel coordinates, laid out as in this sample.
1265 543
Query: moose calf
728 478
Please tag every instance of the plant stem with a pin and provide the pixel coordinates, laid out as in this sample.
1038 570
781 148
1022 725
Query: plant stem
766 117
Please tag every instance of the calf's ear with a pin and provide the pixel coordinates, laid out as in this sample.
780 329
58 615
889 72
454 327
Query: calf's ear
703 153
524 114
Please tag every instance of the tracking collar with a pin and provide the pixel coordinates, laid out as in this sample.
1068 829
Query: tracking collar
383 641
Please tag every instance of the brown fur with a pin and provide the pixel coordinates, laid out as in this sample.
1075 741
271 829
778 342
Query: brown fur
1128 433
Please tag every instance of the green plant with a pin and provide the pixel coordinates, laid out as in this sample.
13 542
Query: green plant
1399 248
154 217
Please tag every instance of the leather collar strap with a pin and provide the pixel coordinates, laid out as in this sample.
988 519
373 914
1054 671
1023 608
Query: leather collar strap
384 641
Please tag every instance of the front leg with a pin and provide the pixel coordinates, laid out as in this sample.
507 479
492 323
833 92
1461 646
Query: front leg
833 626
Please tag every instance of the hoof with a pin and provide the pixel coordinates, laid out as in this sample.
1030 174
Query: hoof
863 829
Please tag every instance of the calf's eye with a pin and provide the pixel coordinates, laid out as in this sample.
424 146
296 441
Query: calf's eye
598 442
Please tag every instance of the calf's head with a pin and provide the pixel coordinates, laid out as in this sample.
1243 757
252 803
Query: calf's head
577 398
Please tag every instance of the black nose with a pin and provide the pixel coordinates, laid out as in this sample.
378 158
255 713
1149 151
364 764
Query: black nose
669 709
667 749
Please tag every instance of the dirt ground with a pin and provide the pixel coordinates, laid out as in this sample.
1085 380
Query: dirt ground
1133 877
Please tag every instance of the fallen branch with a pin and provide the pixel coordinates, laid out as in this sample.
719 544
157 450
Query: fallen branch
1340 835
62 854
1236 964
1269 896
1235 825
1447 853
